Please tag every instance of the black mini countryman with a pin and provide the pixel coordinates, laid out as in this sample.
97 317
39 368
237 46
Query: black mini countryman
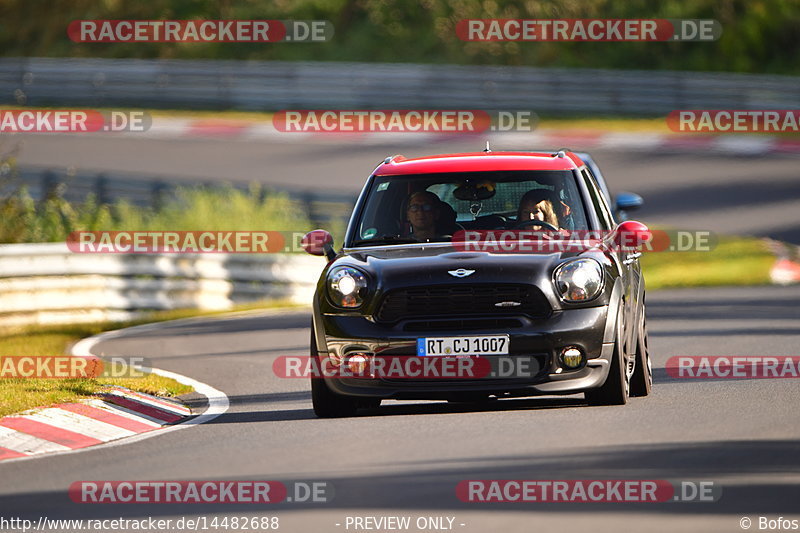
478 276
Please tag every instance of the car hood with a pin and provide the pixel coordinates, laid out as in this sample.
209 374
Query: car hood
399 266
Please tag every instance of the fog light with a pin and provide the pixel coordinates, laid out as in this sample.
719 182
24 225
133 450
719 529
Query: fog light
571 357
357 363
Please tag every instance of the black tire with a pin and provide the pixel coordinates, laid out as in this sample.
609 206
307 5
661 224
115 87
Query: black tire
615 390
328 404
369 403
642 379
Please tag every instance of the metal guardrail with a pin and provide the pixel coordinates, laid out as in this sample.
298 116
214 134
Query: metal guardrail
322 208
47 283
273 85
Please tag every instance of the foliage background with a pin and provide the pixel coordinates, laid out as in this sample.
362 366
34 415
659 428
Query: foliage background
758 35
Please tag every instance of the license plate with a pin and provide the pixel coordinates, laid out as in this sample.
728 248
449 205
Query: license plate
479 345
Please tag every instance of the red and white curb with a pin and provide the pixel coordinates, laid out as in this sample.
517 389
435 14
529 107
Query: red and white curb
543 138
117 416
785 272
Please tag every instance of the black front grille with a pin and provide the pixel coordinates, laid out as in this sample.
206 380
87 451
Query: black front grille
463 300
461 324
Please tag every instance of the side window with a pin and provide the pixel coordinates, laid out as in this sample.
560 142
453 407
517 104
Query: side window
381 212
598 201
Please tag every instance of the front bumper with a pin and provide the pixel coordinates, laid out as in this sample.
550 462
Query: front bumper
540 339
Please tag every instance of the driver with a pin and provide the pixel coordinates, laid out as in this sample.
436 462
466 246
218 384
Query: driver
537 204
423 213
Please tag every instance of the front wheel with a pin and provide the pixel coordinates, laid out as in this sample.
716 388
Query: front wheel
615 390
328 404
369 403
642 379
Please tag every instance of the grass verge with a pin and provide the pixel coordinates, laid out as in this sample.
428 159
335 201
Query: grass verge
18 395
735 261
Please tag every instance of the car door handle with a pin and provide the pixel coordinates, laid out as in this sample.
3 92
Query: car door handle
630 258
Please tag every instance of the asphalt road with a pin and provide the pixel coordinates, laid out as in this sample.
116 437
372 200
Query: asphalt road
406 458
728 194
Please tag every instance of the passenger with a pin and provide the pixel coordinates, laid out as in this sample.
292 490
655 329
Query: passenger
538 204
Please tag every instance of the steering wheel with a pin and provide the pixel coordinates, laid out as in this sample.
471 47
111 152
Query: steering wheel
533 222
457 226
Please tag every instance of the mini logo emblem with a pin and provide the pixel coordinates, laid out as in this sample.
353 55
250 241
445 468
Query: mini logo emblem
507 304
460 273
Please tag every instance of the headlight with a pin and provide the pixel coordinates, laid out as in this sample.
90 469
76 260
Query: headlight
347 287
579 280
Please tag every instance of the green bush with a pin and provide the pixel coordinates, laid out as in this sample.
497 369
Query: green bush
51 219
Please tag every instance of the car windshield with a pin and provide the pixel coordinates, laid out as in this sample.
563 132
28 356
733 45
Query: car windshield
432 207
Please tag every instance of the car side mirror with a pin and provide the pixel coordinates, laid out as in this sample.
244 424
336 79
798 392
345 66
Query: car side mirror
632 234
628 201
318 242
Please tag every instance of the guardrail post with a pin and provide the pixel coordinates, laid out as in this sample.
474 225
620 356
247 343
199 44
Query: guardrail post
158 194
101 189
50 184
307 199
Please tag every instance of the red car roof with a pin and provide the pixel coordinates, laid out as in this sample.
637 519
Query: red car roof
479 161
